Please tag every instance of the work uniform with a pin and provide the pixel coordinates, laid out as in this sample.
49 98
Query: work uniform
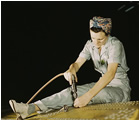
118 90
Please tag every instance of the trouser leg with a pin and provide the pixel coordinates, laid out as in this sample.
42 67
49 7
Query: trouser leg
58 100
109 94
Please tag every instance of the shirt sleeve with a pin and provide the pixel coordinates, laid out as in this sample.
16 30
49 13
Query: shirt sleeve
115 52
85 53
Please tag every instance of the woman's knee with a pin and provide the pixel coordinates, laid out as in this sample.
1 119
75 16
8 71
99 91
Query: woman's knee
82 89
117 94
109 95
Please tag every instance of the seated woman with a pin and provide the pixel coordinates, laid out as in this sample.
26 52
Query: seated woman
108 56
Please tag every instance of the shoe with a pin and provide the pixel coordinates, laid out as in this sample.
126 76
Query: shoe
19 108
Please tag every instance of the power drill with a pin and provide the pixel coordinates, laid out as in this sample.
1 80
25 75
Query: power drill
74 89
73 92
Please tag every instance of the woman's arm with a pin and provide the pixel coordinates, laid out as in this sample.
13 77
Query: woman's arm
102 82
73 69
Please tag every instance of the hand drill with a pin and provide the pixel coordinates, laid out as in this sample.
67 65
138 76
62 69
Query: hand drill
74 89
73 92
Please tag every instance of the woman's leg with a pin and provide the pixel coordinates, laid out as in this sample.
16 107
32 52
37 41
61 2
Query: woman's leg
58 100
55 101
109 95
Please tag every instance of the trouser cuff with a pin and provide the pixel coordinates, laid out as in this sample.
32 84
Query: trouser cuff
42 107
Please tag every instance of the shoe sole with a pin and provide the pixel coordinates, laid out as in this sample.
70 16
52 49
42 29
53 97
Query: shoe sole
12 105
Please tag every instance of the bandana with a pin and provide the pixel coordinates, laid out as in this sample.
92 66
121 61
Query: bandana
100 22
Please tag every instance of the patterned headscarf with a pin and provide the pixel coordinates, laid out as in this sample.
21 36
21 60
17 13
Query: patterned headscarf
100 22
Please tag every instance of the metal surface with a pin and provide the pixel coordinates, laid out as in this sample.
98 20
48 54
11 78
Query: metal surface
110 111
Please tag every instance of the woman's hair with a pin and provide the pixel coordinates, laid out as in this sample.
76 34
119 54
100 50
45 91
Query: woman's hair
96 30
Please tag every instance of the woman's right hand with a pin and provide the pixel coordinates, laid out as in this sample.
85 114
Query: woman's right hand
71 72
70 75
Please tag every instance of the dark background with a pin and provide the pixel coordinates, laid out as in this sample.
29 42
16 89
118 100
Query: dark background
41 39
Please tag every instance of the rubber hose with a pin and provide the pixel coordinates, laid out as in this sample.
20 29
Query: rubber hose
61 74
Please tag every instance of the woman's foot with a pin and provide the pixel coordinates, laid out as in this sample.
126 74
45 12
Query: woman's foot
19 108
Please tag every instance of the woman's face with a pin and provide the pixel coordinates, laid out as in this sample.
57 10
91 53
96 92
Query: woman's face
99 38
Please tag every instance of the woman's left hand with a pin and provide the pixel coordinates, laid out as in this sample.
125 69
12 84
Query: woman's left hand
82 100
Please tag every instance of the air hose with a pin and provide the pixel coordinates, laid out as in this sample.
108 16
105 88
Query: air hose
73 88
61 74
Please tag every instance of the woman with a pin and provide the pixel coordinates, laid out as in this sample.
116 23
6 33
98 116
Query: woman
108 56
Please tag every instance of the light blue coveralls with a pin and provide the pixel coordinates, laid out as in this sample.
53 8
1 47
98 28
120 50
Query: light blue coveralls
118 90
